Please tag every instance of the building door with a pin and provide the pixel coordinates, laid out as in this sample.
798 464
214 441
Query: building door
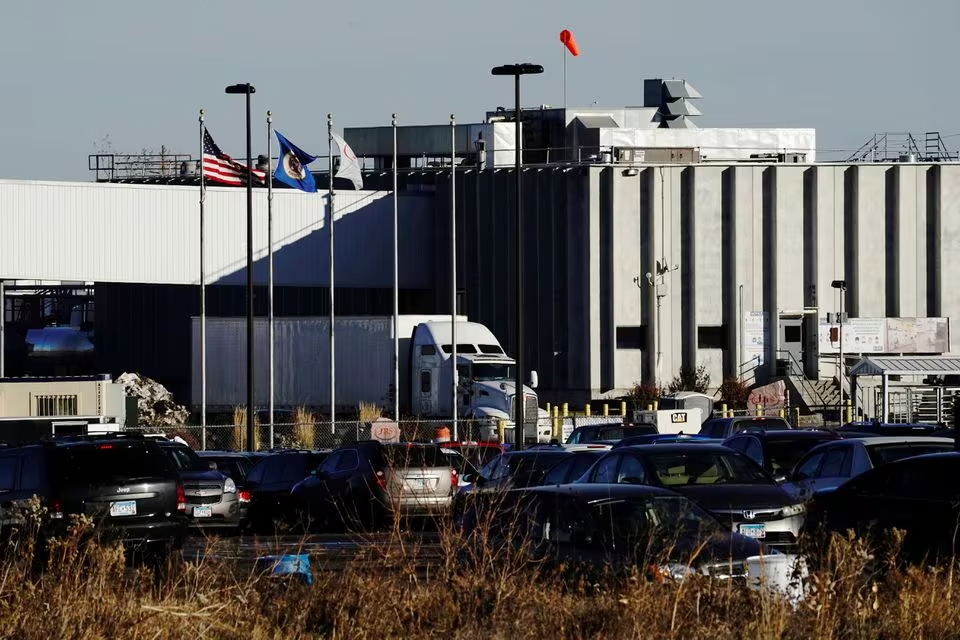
790 356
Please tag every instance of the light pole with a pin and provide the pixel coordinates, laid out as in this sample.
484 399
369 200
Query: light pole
517 70
247 89
842 286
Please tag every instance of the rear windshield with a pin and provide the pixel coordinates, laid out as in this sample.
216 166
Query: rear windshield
108 462
770 424
883 454
185 459
236 468
414 456
783 455
539 462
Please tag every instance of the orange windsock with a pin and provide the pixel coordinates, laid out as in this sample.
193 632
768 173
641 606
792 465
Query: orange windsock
567 39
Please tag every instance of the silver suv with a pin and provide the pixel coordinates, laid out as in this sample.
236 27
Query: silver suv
212 499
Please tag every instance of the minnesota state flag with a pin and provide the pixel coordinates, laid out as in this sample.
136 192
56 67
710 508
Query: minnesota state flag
292 166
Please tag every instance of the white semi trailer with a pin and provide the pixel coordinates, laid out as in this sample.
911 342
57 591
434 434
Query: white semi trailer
364 368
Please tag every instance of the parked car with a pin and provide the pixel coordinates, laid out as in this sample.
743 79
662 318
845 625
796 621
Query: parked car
728 484
918 495
466 471
212 499
877 428
270 482
232 464
124 482
724 428
366 483
607 432
778 451
830 465
603 527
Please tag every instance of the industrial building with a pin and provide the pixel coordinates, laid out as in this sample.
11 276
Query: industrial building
651 243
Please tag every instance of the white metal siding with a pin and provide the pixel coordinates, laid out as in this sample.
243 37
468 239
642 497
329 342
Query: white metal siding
151 234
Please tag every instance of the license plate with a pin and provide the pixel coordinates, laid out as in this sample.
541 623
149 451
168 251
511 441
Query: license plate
202 512
416 483
753 530
123 508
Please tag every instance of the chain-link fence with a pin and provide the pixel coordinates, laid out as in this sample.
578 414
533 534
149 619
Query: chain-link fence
322 435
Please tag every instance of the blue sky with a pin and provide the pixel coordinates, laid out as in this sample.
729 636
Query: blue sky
131 75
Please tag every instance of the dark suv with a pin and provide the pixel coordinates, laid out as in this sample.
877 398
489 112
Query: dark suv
123 481
728 427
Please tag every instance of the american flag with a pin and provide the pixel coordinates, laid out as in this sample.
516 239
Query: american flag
220 167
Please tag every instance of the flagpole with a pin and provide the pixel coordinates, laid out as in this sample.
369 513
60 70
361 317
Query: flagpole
453 267
396 281
564 46
270 266
330 195
203 301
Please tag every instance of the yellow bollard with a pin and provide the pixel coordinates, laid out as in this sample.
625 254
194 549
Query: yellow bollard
649 407
566 410
723 410
759 409
557 431
556 411
796 416
501 430
587 408
549 413
656 405
606 410
623 407
848 411
782 413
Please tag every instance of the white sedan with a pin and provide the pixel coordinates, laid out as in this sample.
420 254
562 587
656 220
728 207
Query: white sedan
829 465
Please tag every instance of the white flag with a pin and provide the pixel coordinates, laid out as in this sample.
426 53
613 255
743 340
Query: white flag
349 165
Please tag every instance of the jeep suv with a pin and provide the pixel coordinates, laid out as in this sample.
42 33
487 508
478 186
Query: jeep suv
123 481
212 497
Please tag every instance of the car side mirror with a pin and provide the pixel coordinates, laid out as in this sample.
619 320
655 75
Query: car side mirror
534 380
780 478
212 465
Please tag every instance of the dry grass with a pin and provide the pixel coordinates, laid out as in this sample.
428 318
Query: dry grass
369 411
240 429
304 428
85 591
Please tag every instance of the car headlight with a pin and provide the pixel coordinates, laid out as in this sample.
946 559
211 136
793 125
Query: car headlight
794 510
229 486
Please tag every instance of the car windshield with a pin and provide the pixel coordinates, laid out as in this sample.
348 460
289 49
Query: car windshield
884 454
106 462
538 462
784 454
641 520
707 467
414 456
492 371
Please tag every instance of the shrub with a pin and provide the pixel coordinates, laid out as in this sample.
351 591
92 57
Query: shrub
643 395
690 379
734 393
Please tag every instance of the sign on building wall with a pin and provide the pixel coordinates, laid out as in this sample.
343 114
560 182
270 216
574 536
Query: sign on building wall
886 335
755 336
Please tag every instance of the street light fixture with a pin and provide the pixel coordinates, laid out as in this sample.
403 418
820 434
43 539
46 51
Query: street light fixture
248 89
517 70
841 374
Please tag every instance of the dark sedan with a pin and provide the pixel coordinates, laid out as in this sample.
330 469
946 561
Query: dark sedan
616 527
919 496
736 490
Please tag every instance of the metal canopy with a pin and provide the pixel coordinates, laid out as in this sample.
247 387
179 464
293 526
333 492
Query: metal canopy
907 366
